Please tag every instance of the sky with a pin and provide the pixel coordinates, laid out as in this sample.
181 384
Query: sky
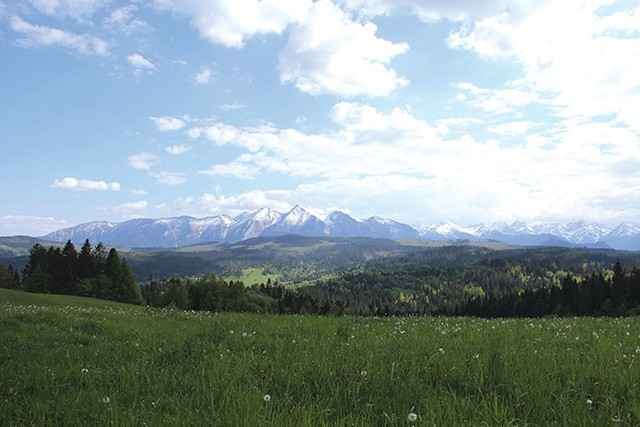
421 111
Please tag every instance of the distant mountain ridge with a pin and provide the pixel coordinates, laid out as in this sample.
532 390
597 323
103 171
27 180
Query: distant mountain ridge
186 230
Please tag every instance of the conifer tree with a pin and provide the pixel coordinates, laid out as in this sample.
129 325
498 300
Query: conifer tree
86 262
36 271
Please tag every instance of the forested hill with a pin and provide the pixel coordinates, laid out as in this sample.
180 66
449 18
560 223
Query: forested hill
358 276
458 279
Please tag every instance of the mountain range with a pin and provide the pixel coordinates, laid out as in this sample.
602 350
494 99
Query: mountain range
186 230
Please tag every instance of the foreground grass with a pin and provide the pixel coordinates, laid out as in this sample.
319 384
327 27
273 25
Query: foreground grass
115 365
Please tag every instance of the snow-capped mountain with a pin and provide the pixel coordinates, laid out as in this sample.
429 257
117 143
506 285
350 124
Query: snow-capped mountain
447 230
297 221
93 231
186 230
624 236
388 228
342 225
574 234
253 224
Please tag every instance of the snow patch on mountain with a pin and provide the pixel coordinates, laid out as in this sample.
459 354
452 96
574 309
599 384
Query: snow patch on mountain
186 230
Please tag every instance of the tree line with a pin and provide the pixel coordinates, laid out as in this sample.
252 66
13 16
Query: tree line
615 294
448 281
92 272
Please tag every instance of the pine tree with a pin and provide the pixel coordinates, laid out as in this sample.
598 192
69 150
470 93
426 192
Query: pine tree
99 259
86 262
69 269
619 288
36 271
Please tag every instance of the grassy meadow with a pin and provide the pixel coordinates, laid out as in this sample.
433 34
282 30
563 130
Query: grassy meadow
74 361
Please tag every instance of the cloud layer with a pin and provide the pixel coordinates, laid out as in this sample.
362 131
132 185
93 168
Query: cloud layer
70 183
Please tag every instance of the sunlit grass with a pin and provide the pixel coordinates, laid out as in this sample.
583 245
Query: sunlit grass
88 365
253 276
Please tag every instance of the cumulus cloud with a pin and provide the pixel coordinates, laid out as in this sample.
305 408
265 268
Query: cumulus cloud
203 76
598 51
512 128
496 100
169 178
70 183
167 123
328 53
456 10
77 9
138 192
238 169
210 204
144 161
123 20
231 107
29 225
393 156
140 63
178 149
230 22
41 36
129 209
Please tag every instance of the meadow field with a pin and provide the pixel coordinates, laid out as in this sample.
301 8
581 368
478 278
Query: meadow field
75 361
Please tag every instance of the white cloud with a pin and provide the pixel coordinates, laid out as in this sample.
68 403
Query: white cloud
230 22
512 128
203 76
169 178
70 183
231 107
11 225
143 161
456 10
168 123
177 149
497 100
209 204
444 125
237 169
138 192
195 132
122 20
400 160
77 9
129 209
140 63
585 63
328 53
38 35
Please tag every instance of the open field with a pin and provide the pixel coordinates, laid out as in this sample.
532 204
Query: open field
82 362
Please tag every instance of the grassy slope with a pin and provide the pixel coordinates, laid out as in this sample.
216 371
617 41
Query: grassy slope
99 364
8 296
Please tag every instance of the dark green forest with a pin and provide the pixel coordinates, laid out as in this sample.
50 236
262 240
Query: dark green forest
91 272
378 278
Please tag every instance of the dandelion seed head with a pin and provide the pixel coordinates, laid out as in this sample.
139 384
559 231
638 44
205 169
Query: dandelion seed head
412 417
266 397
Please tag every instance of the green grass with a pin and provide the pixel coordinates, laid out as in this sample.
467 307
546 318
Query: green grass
253 276
118 365
13 297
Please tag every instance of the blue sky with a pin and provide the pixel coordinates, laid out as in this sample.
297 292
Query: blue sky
420 111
